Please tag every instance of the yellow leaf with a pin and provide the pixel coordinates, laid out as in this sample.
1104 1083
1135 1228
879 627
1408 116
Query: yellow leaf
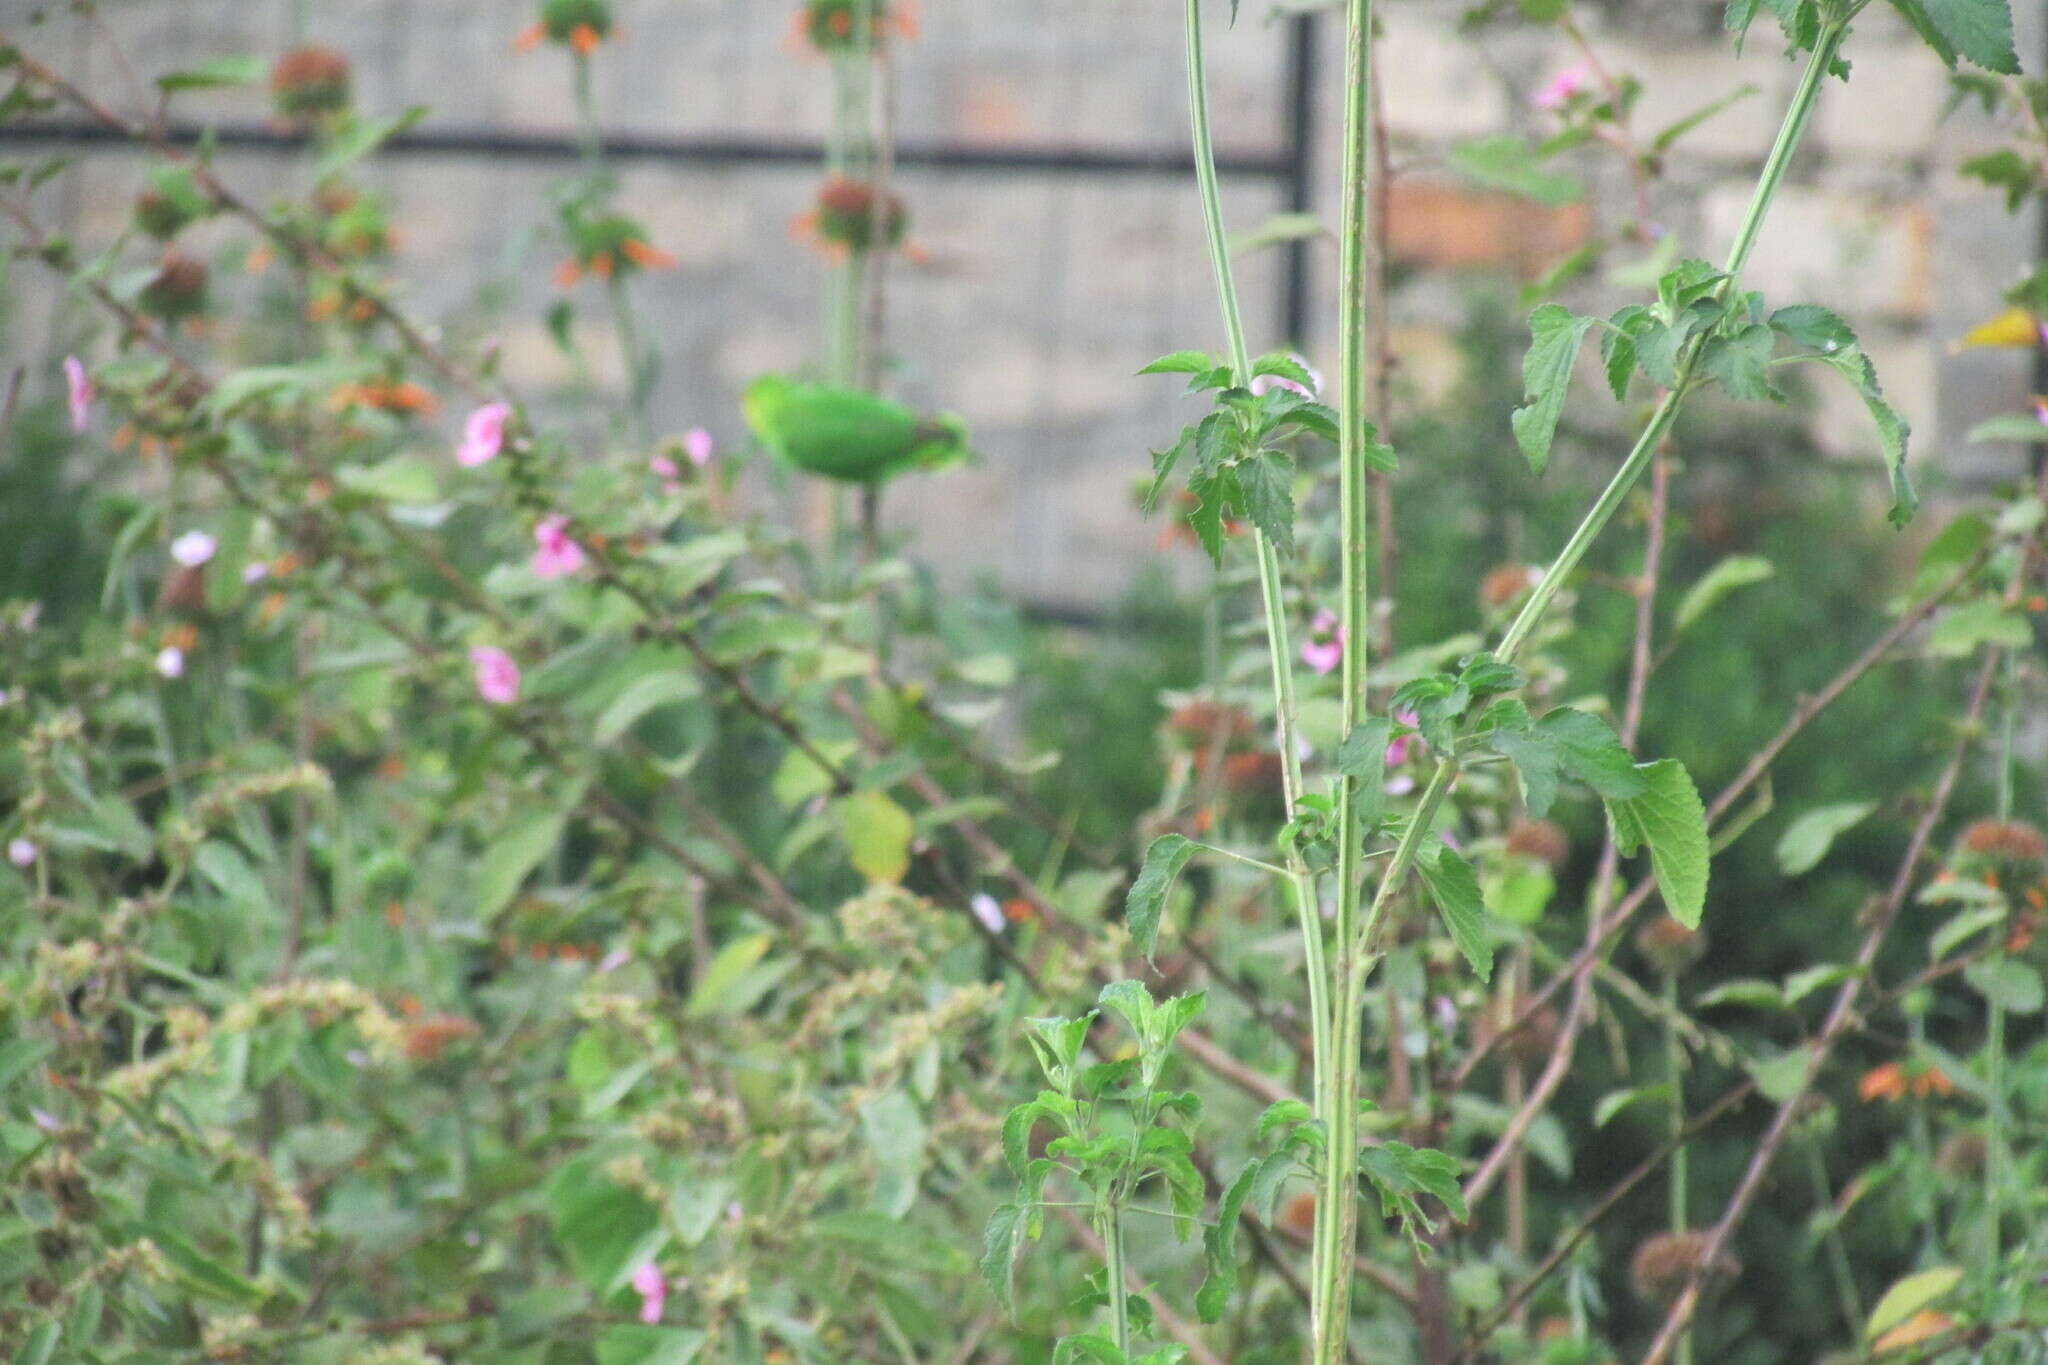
2014 327
1922 1326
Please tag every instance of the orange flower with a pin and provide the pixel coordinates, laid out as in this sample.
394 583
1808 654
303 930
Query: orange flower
567 274
645 256
1017 910
1893 1081
584 39
394 915
530 37
601 265
2037 602
431 1036
184 636
259 259
386 396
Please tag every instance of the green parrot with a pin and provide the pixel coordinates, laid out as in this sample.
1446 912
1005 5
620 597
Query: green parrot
846 434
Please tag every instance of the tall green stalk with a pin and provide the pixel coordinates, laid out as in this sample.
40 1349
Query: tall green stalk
1338 1226
1301 885
1674 1076
1790 133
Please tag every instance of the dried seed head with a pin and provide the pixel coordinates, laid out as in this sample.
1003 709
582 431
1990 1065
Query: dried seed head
1252 774
1504 584
178 289
2008 841
849 214
156 215
1202 723
1662 1264
1529 1043
310 81
1298 1215
1543 840
1669 946
1961 1155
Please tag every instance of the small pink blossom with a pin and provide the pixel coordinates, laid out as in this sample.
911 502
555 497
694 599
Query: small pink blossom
1565 84
557 555
2041 411
698 446
1266 383
497 677
21 852
653 1292
615 959
170 661
194 548
670 472
483 435
988 911
1324 648
79 390
1397 750
255 572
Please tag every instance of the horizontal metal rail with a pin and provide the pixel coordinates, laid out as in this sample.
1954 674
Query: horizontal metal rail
708 150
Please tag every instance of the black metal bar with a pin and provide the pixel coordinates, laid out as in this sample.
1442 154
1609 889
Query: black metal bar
1301 136
703 150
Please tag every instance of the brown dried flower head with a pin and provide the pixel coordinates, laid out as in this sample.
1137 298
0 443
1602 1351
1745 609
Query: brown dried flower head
1662 1264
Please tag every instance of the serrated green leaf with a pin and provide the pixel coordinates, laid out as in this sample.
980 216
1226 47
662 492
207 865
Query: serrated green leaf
1962 926
1807 839
1909 1295
1515 165
225 71
2010 984
1164 860
1556 334
1181 362
1978 31
877 833
1614 1101
1670 818
1265 479
1455 890
1736 571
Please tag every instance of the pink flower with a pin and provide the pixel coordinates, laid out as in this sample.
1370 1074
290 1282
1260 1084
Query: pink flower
1266 383
667 468
653 1292
255 572
1324 648
987 911
21 852
483 435
194 548
497 677
2041 411
557 555
1563 86
615 959
1397 751
80 392
697 445
170 661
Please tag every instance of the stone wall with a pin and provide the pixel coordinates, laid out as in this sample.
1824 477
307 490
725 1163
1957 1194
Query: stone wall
1041 291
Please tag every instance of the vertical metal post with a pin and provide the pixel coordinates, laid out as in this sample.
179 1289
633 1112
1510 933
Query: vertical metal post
1300 182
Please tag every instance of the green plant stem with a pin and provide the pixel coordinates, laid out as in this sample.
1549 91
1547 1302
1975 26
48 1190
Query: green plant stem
1338 1205
1674 1075
1797 114
1994 1022
1301 885
1110 1227
1838 1254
